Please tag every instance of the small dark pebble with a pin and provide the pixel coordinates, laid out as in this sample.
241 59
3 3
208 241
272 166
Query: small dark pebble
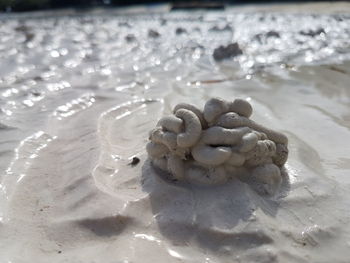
59 252
36 93
313 33
220 28
38 78
263 36
152 33
130 38
272 34
180 31
29 37
134 161
230 51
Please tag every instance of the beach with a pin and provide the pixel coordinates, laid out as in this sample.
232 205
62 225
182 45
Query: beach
80 92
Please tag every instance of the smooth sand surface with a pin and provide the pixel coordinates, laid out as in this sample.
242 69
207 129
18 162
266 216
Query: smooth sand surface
78 95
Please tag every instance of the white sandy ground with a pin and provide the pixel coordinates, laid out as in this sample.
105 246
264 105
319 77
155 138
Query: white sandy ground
77 102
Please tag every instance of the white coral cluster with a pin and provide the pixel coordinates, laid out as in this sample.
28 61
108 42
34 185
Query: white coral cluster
216 144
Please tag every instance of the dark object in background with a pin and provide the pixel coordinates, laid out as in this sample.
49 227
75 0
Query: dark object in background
198 5
153 33
313 33
23 5
30 5
180 31
135 160
230 51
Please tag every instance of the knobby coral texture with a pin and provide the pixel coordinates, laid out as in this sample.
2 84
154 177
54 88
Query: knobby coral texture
216 144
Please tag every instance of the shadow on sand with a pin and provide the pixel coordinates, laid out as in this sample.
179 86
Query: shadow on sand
209 216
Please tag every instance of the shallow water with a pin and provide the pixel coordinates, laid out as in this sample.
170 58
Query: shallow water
78 95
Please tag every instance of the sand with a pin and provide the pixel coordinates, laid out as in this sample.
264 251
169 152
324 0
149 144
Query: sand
79 93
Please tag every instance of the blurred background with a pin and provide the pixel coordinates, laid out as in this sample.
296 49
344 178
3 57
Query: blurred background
31 5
